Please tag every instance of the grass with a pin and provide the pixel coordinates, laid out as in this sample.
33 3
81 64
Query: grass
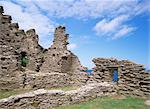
113 102
110 103
5 94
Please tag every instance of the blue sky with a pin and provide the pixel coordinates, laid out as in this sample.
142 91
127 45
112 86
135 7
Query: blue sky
97 28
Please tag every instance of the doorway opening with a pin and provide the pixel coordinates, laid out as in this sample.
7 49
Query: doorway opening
115 75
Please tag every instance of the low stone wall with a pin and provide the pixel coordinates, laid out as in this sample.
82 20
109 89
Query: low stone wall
46 80
37 80
10 83
48 99
132 77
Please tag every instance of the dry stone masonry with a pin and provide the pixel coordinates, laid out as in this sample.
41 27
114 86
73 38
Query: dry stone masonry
16 44
48 99
132 77
58 58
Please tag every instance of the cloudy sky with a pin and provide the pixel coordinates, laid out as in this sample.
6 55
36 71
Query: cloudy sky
97 28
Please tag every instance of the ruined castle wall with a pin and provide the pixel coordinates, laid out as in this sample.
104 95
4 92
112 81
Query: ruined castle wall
132 77
71 63
16 44
33 49
60 39
76 64
66 62
58 58
39 80
49 99
57 54
51 61
8 46
12 42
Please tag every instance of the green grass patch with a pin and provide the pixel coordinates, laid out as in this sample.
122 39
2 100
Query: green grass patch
110 103
5 94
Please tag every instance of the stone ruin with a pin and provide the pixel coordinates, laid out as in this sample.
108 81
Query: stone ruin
46 66
59 67
49 99
132 77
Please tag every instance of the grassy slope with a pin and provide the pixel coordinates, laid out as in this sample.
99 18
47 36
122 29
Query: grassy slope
110 103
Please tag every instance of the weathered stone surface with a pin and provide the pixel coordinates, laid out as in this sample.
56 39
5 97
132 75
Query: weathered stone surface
58 58
46 80
14 43
133 79
48 99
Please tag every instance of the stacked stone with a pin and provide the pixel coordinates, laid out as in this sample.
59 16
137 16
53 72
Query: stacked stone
128 78
103 68
58 58
39 80
132 77
9 45
49 99
15 42
60 39
33 50
145 86
12 42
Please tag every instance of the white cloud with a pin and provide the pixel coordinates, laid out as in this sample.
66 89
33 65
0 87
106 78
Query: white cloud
119 11
29 17
38 14
86 8
72 46
114 28
122 32
105 26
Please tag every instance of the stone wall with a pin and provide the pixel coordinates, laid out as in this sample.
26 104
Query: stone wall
14 42
48 99
9 47
34 51
9 51
58 58
34 80
133 79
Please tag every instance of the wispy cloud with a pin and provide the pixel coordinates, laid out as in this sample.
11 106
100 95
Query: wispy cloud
114 28
86 8
117 26
123 32
112 14
30 17
104 26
